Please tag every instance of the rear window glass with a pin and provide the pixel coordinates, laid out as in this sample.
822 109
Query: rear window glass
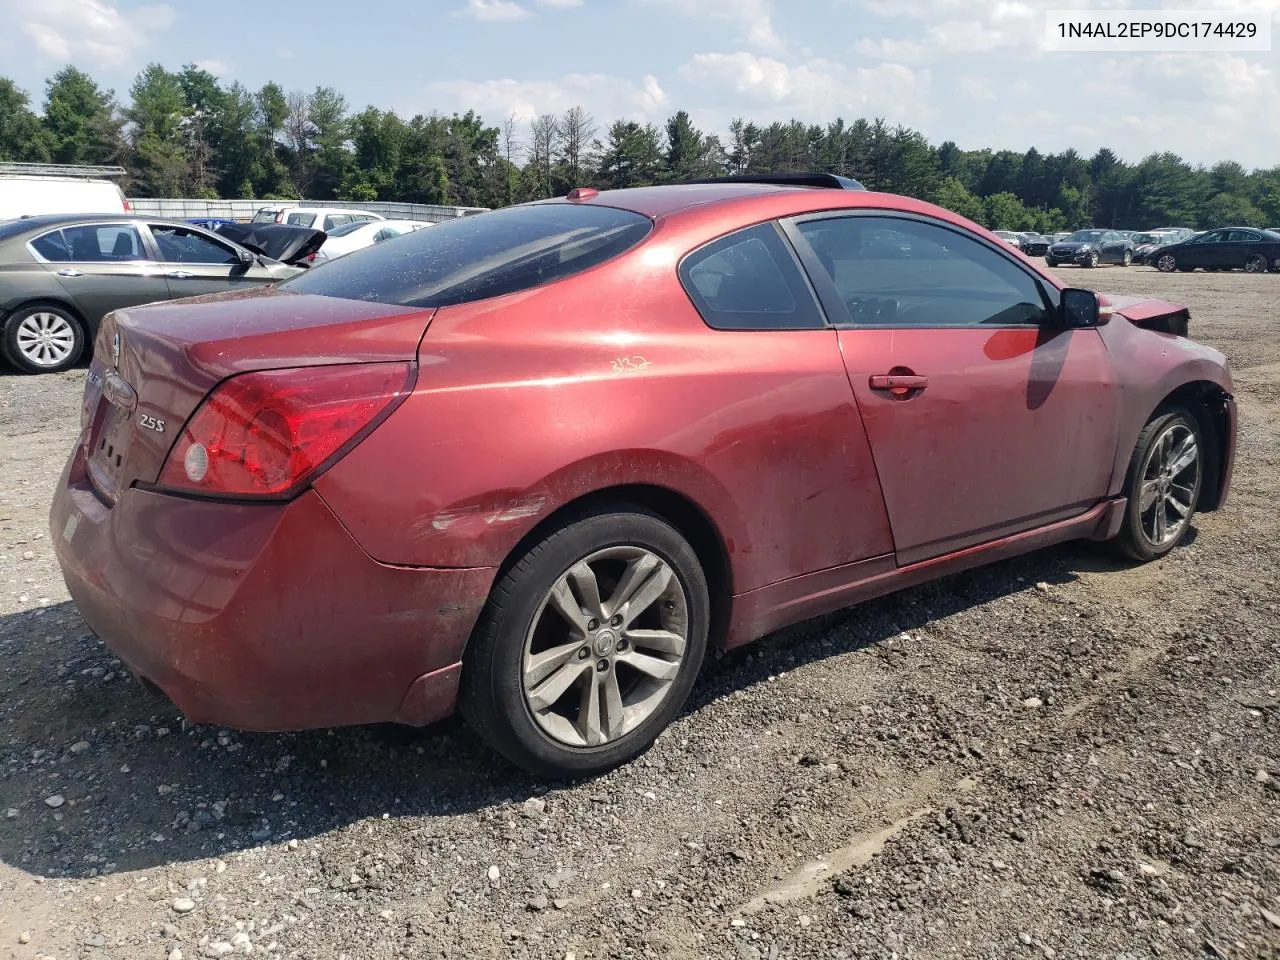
480 256
346 228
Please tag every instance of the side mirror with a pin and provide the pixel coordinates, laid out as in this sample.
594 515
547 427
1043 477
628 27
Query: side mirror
246 258
1078 308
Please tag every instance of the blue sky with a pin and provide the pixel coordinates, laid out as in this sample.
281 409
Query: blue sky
973 71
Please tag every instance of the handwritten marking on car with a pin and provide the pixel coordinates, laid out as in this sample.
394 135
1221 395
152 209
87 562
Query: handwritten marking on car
148 422
630 364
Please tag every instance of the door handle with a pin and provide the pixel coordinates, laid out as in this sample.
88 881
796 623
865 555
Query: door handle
899 384
179 275
69 272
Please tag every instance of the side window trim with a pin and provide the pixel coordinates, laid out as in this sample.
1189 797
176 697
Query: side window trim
833 304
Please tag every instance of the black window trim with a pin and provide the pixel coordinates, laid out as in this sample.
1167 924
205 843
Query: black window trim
833 304
796 261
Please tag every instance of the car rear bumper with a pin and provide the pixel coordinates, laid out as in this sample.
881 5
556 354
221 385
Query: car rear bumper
263 616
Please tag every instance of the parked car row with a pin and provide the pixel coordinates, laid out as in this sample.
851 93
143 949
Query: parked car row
1229 248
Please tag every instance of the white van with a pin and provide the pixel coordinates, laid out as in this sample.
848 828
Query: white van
29 196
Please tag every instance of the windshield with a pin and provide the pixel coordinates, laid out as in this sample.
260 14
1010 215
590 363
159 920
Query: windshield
479 256
1085 236
1147 238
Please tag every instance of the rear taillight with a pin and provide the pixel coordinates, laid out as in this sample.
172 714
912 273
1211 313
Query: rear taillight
128 207
267 434
280 217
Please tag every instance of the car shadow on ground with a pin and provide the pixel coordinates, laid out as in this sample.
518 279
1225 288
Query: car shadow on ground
141 788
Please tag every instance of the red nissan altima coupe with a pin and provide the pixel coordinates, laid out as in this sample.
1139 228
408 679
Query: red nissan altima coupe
531 464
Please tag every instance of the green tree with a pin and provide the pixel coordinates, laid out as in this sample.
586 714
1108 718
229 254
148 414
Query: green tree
683 157
22 138
632 156
953 195
82 120
157 121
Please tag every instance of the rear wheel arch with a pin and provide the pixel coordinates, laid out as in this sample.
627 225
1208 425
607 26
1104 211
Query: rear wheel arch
1207 401
688 518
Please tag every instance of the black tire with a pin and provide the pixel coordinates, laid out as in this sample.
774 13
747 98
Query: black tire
1255 263
1127 259
1166 263
1093 260
27 356
492 697
1133 540
1050 263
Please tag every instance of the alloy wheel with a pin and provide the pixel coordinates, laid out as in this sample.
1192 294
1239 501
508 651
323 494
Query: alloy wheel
1256 264
1167 263
1170 480
1128 258
45 339
605 646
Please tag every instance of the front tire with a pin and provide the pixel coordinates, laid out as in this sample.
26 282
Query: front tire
1093 260
589 645
1162 485
1126 259
42 338
1166 263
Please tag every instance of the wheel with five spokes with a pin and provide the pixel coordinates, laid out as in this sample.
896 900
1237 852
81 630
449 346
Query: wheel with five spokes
589 644
1162 485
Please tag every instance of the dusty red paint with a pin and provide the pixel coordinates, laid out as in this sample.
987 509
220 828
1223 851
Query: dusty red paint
353 603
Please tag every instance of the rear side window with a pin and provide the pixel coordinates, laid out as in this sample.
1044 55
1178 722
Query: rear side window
301 219
52 247
480 256
749 281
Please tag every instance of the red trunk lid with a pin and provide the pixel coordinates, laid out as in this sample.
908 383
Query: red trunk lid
153 365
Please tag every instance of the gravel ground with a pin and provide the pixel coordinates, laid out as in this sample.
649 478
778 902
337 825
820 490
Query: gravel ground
1058 756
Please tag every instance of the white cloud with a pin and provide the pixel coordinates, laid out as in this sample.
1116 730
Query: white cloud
87 31
605 97
219 68
559 3
975 88
754 18
284 53
767 88
493 10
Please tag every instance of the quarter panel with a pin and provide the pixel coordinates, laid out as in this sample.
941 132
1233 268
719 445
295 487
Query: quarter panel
527 402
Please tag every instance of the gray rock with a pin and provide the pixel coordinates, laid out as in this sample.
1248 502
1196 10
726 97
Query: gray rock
183 905
55 801
539 903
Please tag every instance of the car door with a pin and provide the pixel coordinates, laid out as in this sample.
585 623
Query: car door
1206 250
195 263
985 418
102 267
1111 249
1238 246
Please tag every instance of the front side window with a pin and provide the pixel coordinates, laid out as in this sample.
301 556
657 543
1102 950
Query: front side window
1213 236
486 255
891 271
103 243
749 280
301 219
185 246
